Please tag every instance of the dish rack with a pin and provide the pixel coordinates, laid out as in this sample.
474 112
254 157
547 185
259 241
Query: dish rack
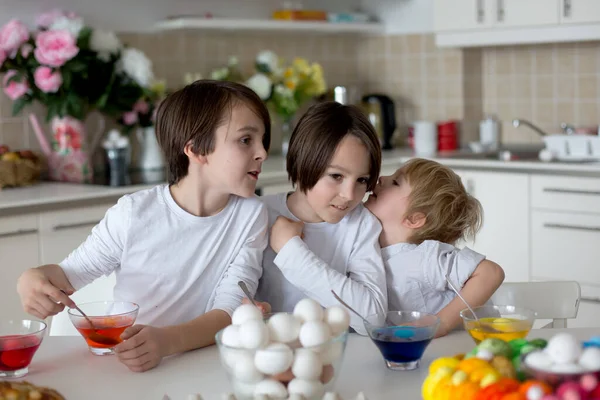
574 147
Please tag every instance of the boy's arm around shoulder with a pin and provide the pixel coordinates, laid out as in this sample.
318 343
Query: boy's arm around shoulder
247 267
477 290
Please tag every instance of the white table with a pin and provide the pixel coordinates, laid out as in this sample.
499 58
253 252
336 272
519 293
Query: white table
65 364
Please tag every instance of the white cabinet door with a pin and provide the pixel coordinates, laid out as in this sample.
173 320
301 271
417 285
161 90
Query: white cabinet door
504 236
461 15
579 11
19 250
525 13
274 189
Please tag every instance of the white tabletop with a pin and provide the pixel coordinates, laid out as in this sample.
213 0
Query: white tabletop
65 364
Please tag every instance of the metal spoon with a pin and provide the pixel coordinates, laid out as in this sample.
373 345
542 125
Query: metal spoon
488 327
242 284
348 307
94 335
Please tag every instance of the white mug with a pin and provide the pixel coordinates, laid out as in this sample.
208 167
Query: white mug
425 138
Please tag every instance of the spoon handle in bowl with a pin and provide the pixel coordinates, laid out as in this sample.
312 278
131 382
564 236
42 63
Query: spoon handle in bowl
242 284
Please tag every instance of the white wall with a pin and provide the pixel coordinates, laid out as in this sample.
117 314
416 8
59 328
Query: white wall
403 16
141 15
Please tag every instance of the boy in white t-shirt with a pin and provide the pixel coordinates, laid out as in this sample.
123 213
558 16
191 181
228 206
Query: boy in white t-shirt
178 250
424 210
322 237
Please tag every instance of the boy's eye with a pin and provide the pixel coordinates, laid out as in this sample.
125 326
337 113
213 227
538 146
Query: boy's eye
336 177
395 183
363 181
245 140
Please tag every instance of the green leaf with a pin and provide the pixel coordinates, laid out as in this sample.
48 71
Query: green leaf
83 41
19 104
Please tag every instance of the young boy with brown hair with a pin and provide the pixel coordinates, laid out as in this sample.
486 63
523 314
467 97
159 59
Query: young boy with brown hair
322 237
424 210
179 249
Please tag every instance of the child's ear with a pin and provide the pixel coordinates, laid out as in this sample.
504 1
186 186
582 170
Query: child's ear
415 221
193 157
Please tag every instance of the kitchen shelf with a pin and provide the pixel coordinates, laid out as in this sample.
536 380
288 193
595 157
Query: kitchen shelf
320 27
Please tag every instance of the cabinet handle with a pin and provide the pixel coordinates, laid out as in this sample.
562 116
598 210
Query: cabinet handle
572 191
18 233
590 300
500 9
573 227
71 226
567 8
480 11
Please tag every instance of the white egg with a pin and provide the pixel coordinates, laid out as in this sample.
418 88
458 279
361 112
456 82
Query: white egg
245 370
331 352
331 396
284 328
243 390
563 348
535 393
338 319
272 388
308 310
307 365
361 396
253 334
246 312
229 357
590 359
567 368
308 389
314 333
485 354
539 360
231 336
274 359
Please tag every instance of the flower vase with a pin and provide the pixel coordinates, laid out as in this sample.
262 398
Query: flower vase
68 152
286 129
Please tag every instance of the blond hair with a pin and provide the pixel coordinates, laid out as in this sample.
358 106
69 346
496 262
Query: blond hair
437 192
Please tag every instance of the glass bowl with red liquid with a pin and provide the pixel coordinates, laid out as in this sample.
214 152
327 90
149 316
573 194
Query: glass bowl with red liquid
19 340
107 321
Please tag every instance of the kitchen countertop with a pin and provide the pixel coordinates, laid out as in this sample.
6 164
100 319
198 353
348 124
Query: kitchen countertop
273 173
65 364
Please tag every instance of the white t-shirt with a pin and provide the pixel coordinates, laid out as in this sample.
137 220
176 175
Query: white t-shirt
175 265
344 257
416 274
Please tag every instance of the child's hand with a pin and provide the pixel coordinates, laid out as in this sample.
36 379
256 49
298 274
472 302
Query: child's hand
264 307
143 347
283 230
40 296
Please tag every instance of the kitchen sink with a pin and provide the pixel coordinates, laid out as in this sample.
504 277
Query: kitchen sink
501 155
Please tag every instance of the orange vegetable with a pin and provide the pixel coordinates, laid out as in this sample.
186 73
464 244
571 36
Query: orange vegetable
497 390
514 396
525 386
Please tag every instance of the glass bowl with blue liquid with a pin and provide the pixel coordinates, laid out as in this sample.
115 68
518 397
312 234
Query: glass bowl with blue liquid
402 336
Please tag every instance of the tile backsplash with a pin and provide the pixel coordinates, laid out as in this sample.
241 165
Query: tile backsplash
548 84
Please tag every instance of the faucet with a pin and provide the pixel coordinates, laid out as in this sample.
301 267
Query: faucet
518 122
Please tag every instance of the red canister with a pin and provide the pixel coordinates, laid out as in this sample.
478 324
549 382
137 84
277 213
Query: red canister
447 136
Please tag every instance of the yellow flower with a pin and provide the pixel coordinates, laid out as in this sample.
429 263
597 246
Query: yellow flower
289 73
290 84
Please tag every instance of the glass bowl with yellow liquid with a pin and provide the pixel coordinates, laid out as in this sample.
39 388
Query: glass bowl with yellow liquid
500 322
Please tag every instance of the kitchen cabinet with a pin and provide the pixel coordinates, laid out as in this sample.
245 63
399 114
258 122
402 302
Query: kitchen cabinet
460 15
504 236
579 11
464 15
18 252
524 13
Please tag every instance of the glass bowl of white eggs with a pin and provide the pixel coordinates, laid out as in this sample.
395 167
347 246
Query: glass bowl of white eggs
284 355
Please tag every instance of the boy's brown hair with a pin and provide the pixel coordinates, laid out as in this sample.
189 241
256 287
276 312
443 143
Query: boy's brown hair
437 192
316 137
194 113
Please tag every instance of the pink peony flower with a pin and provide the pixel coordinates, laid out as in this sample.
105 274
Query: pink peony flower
12 36
141 107
46 19
14 89
46 80
130 117
54 48
2 57
26 50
